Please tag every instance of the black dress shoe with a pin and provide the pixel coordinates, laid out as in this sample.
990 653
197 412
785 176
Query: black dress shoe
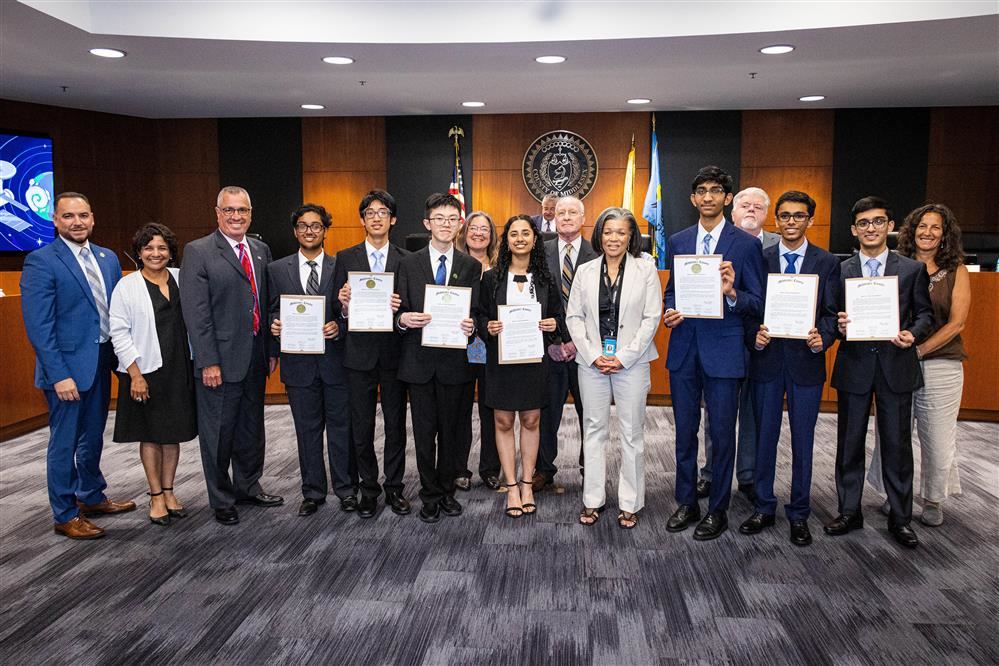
463 483
491 481
430 513
712 527
800 536
263 499
348 503
756 522
844 523
309 506
398 504
905 536
450 506
227 516
367 507
703 488
749 491
684 515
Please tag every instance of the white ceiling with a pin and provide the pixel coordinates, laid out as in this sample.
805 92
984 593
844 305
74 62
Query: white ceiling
681 55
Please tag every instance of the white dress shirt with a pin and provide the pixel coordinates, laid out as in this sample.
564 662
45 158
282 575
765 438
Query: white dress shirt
75 248
304 270
515 296
882 262
370 249
249 253
435 256
715 237
575 251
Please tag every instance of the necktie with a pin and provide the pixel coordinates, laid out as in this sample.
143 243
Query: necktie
707 244
376 262
441 277
872 267
312 285
244 259
791 258
568 271
100 297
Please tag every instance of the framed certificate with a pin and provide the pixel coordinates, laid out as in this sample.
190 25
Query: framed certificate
872 307
447 306
302 319
697 286
520 341
370 301
789 311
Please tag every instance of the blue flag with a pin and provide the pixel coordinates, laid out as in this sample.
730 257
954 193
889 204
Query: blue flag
653 209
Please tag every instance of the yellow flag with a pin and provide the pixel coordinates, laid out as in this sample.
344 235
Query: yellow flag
628 200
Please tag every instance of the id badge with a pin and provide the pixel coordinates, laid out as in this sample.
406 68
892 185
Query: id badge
610 346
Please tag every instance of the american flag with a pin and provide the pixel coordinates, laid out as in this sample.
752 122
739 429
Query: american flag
457 186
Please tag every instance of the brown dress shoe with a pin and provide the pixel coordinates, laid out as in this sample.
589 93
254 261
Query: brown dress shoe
79 528
105 507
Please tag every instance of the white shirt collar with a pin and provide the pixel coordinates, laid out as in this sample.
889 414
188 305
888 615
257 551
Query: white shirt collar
369 248
782 250
714 233
303 261
76 247
575 246
882 261
435 257
234 244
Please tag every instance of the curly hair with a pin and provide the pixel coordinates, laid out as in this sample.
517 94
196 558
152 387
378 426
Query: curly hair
146 233
537 265
950 254
491 249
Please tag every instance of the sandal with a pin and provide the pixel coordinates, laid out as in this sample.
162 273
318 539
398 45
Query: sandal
512 511
627 521
175 513
589 517
529 505
163 520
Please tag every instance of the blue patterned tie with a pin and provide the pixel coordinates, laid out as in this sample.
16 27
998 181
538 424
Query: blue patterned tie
790 258
872 267
441 277
707 244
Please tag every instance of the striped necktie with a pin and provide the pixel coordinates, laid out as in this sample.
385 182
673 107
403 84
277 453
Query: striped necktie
707 244
568 271
100 297
872 267
312 284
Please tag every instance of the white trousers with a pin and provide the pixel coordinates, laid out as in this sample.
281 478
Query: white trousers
629 389
934 409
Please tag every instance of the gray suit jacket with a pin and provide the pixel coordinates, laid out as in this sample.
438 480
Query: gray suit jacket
770 239
586 253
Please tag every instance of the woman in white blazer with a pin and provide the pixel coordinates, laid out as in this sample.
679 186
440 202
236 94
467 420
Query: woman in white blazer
155 379
614 309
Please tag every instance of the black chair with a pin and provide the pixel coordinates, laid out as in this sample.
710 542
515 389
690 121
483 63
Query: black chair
416 242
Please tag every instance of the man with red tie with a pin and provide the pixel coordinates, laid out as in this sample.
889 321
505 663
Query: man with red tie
222 285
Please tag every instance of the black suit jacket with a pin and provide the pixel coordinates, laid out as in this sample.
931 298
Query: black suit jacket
366 350
284 278
419 364
806 367
855 361
586 253
493 293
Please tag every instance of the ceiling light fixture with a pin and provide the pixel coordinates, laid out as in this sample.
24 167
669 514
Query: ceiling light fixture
338 60
639 100
313 107
777 49
550 59
473 105
812 98
107 53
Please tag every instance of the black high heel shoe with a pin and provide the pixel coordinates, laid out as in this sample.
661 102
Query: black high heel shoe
175 513
159 520
513 511
530 508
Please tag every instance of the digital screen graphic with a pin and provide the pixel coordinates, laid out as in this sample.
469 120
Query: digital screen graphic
26 192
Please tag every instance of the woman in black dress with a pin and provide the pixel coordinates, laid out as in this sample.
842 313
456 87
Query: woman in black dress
521 277
155 378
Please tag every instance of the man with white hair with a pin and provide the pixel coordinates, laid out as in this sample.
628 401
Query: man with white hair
545 222
749 212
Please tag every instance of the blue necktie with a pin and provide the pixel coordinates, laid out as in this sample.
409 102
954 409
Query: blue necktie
872 267
707 244
377 266
441 277
790 258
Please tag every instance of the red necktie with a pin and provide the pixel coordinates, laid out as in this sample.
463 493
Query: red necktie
248 269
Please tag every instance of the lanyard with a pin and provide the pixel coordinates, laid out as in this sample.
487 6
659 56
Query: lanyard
614 290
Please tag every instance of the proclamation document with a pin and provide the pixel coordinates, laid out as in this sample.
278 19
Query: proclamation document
520 341
872 306
302 324
790 306
370 301
447 306
697 286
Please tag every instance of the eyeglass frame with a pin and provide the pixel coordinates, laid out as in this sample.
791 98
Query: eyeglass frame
229 211
314 227
876 222
797 217
372 213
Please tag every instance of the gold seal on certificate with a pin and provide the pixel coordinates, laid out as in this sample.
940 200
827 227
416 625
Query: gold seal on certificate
447 307
698 286
521 340
790 306
872 308
302 319
370 301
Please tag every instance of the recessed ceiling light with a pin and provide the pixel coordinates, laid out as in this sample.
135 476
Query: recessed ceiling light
473 105
777 49
313 107
338 60
812 98
639 100
550 60
107 53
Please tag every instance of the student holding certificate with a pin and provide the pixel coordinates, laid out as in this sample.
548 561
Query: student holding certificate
791 366
886 371
613 315
516 367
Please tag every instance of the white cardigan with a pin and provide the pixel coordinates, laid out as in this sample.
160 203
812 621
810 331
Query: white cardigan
133 324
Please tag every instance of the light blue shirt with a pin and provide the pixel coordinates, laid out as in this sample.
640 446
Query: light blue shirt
882 259
782 250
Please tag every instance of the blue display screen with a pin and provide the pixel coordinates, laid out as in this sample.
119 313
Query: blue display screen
26 192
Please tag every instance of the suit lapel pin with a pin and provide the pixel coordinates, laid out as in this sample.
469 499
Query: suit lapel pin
101 254
454 276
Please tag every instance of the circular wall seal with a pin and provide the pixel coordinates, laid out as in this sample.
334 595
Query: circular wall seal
560 163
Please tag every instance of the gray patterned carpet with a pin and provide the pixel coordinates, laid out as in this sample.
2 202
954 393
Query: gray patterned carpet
483 589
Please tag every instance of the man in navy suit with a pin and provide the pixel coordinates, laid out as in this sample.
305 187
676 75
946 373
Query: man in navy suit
65 290
795 368
545 222
316 385
706 357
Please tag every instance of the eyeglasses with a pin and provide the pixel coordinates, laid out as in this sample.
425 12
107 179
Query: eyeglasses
876 222
315 227
382 213
440 219
229 212
701 191
797 217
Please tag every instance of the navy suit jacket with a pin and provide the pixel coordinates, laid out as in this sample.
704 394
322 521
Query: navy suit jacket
807 368
719 342
284 278
60 314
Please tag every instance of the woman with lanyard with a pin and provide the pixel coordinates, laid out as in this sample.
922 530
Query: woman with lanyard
521 277
614 309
